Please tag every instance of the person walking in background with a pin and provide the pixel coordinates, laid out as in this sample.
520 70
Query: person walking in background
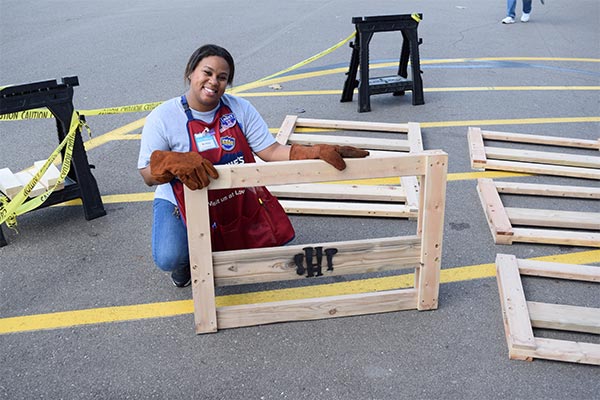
511 5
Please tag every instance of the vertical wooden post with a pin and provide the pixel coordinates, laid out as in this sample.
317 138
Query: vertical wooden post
431 221
201 261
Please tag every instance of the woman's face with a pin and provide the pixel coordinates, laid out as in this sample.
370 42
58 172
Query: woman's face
208 82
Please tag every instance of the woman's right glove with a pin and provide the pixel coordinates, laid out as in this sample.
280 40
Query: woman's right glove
191 168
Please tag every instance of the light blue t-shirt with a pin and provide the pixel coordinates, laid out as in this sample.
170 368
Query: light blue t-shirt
166 129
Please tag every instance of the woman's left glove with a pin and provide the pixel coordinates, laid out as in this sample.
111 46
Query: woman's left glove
191 168
333 154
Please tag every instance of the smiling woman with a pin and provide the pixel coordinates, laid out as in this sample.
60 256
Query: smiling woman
182 139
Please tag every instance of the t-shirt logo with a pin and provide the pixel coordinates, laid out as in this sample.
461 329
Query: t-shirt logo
227 121
227 143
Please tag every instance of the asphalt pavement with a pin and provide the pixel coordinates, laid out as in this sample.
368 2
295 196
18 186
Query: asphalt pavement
84 314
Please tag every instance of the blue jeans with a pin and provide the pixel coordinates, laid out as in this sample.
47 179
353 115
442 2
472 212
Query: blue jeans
169 237
511 5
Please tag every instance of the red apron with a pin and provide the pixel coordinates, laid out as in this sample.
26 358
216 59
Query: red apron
241 218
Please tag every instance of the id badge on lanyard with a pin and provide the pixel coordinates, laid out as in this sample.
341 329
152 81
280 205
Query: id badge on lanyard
205 140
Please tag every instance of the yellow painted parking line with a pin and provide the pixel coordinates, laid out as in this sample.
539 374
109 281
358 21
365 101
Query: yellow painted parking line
173 308
280 93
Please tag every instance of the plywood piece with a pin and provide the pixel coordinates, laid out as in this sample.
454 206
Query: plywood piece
10 185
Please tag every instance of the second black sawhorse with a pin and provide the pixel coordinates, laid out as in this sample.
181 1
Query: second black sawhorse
58 98
397 84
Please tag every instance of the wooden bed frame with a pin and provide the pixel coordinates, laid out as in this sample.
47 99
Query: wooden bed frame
396 200
510 225
521 316
421 251
534 162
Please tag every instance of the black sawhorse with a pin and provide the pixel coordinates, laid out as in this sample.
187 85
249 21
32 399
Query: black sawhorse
365 28
58 98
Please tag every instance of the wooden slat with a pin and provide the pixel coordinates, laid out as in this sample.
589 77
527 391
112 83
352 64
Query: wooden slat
548 236
349 208
553 218
542 157
536 189
361 142
410 184
316 308
559 270
496 215
203 285
286 172
519 333
351 125
432 223
415 139
353 257
564 317
394 194
540 139
286 129
476 148
544 169
563 350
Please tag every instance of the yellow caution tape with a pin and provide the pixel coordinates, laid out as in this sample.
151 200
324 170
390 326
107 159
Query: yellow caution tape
251 85
45 113
17 206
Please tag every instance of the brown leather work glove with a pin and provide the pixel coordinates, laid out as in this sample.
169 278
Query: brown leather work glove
191 168
333 154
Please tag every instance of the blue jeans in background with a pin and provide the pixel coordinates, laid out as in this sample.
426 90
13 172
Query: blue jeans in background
511 5
169 237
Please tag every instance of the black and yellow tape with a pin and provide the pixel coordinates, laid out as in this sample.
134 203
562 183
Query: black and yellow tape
9 210
45 113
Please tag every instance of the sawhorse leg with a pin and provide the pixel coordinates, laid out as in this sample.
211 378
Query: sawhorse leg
351 81
3 241
364 97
